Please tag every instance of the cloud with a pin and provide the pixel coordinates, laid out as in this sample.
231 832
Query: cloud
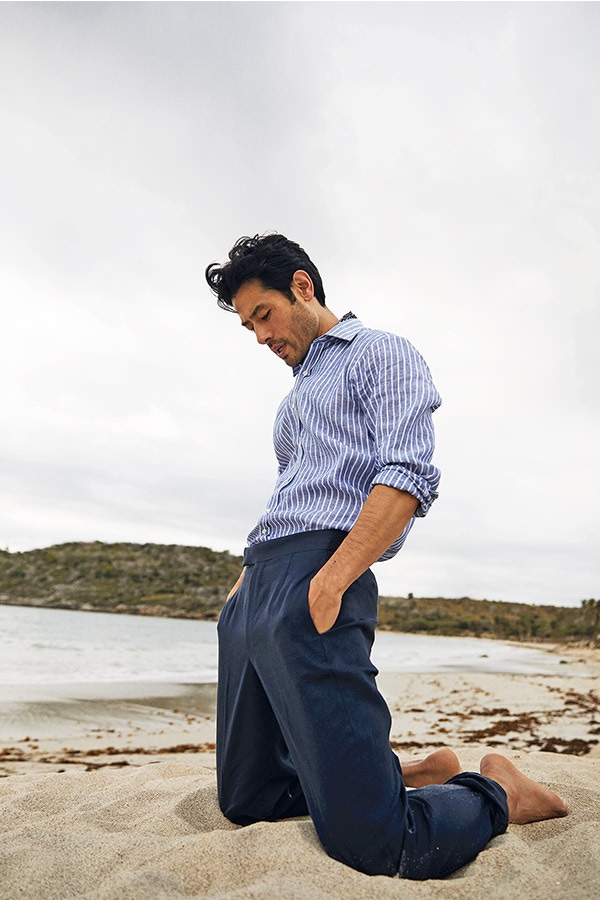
437 161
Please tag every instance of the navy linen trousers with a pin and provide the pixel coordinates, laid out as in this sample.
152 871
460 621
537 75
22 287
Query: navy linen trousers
302 728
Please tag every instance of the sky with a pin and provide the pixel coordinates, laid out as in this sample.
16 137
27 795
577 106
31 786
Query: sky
439 162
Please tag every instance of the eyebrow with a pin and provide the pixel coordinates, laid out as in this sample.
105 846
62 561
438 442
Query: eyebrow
252 315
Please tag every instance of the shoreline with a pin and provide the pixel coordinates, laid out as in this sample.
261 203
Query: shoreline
454 610
54 728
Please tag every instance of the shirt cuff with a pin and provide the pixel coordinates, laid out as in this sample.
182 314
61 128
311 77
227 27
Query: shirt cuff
418 487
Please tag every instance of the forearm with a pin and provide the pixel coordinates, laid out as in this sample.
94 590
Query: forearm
384 516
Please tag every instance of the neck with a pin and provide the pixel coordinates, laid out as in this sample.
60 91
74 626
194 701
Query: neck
327 320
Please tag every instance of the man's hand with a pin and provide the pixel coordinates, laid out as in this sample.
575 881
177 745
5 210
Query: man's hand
385 514
236 585
324 604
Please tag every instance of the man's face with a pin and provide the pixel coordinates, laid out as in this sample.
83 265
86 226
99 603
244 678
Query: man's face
288 329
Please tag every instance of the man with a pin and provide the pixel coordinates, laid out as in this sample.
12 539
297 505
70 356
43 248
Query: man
301 726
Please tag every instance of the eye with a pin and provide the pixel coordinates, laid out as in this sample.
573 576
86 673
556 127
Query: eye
265 317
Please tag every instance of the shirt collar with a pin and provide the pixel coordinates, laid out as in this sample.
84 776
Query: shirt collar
344 330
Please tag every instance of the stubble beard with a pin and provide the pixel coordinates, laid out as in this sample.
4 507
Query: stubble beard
305 328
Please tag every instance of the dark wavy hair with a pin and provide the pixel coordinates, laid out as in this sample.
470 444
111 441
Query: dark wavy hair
271 259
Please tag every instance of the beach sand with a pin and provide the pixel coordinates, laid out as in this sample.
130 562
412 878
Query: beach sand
110 792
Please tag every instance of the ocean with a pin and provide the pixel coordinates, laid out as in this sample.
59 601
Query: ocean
54 646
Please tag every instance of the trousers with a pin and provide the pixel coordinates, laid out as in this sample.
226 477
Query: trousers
302 728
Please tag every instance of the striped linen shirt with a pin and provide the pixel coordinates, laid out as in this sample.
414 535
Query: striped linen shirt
359 414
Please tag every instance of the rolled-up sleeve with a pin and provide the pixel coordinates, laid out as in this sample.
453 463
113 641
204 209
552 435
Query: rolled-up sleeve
396 391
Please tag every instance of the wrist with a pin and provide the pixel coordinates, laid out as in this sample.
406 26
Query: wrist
334 576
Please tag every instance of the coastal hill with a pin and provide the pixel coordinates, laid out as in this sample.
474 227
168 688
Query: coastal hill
193 582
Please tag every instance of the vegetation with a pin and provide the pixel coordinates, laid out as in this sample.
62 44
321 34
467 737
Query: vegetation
491 619
149 579
193 582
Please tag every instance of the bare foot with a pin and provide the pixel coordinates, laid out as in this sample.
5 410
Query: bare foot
436 768
528 801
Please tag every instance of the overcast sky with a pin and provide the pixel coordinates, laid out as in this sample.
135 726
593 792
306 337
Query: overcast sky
440 165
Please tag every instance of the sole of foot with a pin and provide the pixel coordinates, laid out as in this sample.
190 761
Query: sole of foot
528 801
436 768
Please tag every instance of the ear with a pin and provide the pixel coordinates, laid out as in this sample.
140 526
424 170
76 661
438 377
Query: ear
302 286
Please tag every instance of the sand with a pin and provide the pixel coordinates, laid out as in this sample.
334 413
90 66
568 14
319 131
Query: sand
111 793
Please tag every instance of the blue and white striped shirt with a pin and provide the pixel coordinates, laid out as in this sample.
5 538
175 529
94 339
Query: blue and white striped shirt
359 414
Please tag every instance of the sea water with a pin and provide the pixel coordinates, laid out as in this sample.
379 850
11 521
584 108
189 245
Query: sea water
54 646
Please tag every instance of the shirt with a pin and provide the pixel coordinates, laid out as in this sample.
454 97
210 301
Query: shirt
359 414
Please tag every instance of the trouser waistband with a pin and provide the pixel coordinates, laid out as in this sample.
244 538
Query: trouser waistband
325 539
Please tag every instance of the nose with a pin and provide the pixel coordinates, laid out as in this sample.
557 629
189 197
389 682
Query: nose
261 332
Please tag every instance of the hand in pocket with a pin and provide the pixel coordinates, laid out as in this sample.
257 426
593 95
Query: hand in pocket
324 605
236 586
